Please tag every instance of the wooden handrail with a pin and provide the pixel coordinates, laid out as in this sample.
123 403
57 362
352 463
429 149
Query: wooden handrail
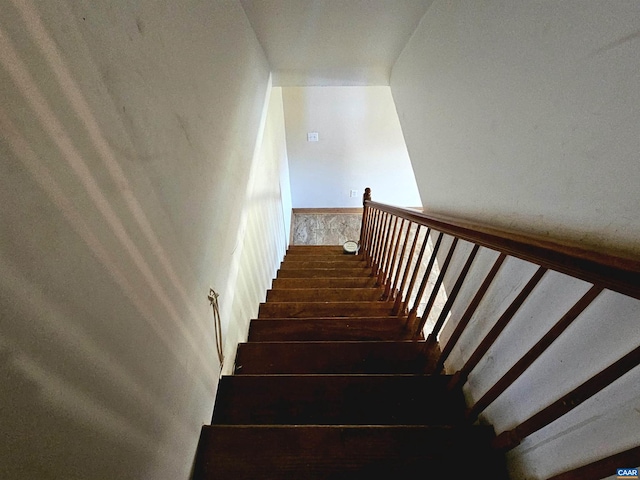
617 273
605 271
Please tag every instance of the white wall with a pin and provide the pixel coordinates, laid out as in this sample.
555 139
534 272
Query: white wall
312 43
525 115
265 228
128 133
360 145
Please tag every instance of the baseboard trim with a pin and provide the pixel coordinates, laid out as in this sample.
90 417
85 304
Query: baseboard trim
323 211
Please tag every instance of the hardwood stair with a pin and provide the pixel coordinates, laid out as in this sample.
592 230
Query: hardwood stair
331 385
334 357
354 294
328 329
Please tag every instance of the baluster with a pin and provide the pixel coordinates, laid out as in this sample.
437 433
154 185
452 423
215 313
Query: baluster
383 245
425 278
366 246
511 438
432 337
414 275
387 288
384 273
461 376
379 241
399 301
394 291
384 234
471 309
436 287
363 228
374 237
535 352
370 229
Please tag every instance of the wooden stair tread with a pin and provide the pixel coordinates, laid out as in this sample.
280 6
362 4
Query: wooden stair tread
345 452
331 282
309 250
324 294
337 399
324 263
323 258
312 254
325 272
327 329
331 385
335 357
324 309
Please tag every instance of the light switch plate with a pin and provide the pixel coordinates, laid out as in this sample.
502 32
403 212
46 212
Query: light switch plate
312 137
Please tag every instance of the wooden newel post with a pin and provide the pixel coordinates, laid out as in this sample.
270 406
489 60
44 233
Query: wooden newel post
363 225
367 195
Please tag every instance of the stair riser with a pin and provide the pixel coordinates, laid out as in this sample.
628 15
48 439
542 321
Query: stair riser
300 258
315 249
295 258
335 358
287 265
325 295
270 330
337 400
321 309
345 453
325 273
353 282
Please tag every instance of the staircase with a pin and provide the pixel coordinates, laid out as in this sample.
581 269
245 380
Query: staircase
331 385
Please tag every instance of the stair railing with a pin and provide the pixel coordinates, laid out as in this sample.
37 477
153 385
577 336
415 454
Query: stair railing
394 242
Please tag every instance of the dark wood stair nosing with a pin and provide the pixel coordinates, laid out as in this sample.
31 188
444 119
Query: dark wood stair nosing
339 452
382 399
325 294
329 329
326 282
337 357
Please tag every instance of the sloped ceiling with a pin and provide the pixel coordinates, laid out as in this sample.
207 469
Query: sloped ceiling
333 42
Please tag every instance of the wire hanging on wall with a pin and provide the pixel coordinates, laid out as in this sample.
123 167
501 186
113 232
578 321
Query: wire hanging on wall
217 325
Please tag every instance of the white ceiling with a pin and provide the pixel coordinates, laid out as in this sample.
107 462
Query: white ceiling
333 42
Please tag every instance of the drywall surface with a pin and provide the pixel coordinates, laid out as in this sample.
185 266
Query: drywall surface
525 115
128 134
264 228
359 145
333 42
